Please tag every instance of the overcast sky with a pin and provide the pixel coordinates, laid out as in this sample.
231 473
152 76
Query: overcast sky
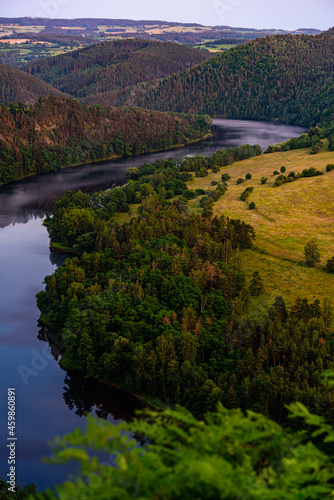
285 14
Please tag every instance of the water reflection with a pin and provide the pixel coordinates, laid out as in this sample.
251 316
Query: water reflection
84 394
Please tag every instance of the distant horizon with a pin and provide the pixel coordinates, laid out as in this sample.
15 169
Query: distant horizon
255 14
169 21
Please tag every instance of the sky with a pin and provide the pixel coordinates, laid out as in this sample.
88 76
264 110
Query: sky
285 14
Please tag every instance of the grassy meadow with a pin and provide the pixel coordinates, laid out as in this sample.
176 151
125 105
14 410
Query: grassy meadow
285 219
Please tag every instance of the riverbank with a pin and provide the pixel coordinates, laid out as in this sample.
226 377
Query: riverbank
110 158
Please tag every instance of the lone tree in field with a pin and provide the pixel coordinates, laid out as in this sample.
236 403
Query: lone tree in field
312 254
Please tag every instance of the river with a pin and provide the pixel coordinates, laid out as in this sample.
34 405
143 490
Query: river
50 401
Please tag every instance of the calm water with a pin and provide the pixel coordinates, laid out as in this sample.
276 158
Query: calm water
49 401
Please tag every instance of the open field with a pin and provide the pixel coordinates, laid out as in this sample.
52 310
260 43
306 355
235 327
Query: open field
285 219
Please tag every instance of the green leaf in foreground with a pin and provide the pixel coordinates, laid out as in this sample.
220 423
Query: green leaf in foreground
227 455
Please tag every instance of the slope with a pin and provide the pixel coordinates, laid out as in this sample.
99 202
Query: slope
286 78
55 133
16 85
105 73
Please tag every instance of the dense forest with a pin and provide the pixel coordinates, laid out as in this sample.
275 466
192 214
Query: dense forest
106 73
158 304
55 133
286 78
16 85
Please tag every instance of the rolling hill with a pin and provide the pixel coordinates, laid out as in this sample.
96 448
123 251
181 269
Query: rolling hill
55 133
16 85
285 78
106 73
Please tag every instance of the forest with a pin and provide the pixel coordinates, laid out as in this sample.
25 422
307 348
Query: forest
284 78
56 132
106 73
158 304
18 86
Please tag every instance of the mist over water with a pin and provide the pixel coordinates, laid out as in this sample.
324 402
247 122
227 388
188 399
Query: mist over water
48 405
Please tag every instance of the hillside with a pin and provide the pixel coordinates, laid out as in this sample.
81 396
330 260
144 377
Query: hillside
55 133
106 73
16 85
285 219
286 78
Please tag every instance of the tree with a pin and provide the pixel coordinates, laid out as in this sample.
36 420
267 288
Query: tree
330 265
227 455
283 169
252 205
256 287
248 176
312 254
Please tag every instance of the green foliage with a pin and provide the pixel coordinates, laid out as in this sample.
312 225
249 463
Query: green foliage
307 172
248 176
303 96
245 194
256 286
330 265
252 205
264 180
240 180
21 493
227 455
329 167
283 169
276 172
16 85
80 134
312 254
106 73
226 177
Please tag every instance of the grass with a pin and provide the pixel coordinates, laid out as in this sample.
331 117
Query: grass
285 219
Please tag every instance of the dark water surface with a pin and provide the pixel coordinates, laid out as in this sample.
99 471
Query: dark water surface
49 401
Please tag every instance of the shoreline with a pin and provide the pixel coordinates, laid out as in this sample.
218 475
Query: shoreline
111 158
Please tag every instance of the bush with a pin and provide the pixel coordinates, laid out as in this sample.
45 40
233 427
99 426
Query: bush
330 167
252 205
248 176
246 193
215 169
240 180
283 169
202 172
264 180
281 179
330 266
226 177
291 175
316 148
276 172
214 183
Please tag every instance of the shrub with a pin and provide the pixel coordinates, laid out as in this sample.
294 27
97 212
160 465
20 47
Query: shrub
283 169
248 176
276 172
330 266
252 205
226 177
330 167
316 148
246 193
264 180
214 183
215 169
240 180
202 172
